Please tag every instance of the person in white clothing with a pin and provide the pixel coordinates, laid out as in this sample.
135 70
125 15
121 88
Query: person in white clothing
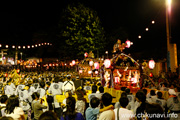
68 85
25 98
13 110
108 114
19 87
122 113
8 90
41 90
36 85
56 89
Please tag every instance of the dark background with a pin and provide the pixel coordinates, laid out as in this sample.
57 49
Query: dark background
20 23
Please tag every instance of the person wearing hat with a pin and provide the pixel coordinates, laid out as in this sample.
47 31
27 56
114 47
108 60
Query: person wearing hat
68 85
173 103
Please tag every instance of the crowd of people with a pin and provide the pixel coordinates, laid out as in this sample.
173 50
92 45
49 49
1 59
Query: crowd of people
33 95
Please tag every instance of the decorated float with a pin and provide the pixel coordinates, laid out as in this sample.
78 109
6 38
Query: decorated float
88 68
122 70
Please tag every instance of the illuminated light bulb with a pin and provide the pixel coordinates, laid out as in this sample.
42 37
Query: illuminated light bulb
28 46
7 46
32 46
47 43
0 45
147 29
153 22
13 46
35 45
24 47
39 44
139 37
42 43
19 47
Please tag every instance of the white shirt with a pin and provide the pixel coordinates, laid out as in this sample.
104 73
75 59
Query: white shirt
42 92
55 88
9 90
107 115
31 90
19 88
124 114
36 87
68 85
17 113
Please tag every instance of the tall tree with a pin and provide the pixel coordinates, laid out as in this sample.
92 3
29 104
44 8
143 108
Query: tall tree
81 30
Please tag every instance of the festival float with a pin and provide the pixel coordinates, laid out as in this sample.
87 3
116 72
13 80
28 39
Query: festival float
88 68
121 70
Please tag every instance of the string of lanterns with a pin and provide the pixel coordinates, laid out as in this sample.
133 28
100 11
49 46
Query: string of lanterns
147 29
26 46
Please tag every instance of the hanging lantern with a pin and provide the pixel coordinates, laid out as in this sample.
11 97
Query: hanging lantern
24 47
85 54
128 43
151 64
96 65
80 71
13 46
7 46
90 72
91 63
73 62
107 63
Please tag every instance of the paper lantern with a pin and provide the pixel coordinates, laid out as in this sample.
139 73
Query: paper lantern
73 62
85 54
151 64
96 65
107 63
80 71
91 63
96 72
89 72
128 43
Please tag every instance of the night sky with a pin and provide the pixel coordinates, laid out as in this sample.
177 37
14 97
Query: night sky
18 24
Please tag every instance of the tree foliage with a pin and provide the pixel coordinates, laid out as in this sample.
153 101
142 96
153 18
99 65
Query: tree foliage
81 30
